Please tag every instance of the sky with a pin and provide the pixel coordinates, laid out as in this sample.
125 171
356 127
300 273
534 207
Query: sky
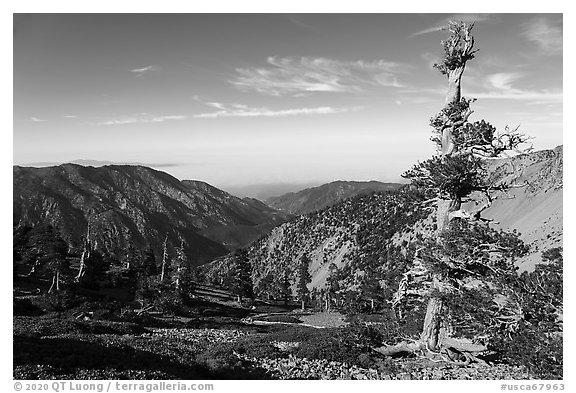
241 99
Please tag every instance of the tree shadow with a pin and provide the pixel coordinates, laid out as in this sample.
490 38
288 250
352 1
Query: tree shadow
66 356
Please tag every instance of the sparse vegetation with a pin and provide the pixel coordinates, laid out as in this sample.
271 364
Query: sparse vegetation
413 283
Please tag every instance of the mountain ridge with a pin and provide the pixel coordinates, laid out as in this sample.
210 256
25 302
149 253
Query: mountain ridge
135 204
316 198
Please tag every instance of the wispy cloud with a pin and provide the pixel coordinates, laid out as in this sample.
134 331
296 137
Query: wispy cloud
503 80
70 116
37 120
459 17
502 86
297 20
545 33
240 110
145 70
141 118
295 76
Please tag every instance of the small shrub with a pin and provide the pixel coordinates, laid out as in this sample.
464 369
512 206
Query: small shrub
224 364
259 347
218 357
352 345
171 303
540 352
365 360
385 366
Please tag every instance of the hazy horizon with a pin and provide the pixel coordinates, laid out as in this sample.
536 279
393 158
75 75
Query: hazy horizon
240 100
261 191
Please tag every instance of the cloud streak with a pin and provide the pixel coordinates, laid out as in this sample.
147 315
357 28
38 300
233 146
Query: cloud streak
545 33
305 75
240 110
145 70
141 119
444 23
37 120
501 86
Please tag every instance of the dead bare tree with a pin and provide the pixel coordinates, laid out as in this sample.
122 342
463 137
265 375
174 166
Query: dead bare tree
86 251
164 258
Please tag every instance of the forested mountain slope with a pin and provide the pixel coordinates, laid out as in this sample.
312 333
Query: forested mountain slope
137 205
317 198
368 238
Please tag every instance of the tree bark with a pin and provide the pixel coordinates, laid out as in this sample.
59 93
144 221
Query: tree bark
454 94
433 320
445 208
454 85
433 329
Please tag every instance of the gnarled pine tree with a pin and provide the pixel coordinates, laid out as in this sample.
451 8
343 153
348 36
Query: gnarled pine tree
464 246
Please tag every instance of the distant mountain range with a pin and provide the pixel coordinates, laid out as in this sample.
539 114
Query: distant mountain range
135 204
96 163
341 223
318 198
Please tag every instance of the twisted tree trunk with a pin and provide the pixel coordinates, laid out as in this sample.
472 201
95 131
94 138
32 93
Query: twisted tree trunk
452 96
431 331
454 85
